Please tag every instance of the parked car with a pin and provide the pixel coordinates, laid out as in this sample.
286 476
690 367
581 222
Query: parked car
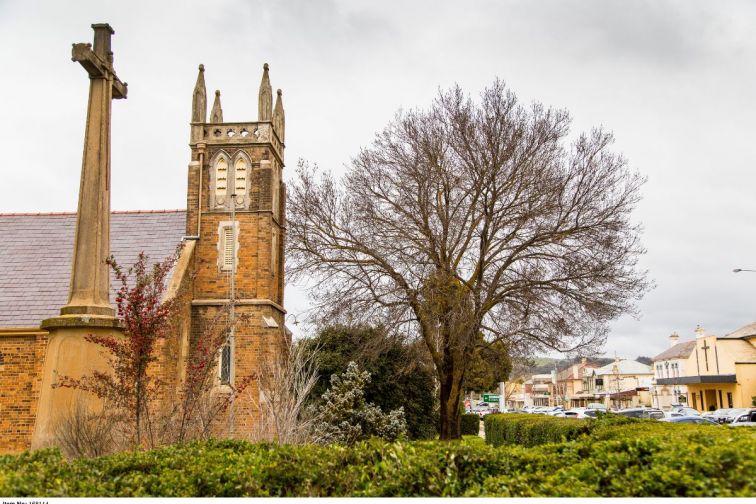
747 419
691 420
733 414
717 415
574 413
654 413
685 411
597 406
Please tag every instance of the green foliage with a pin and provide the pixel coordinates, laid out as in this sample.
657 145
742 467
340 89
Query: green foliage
533 430
398 375
346 417
490 364
634 458
470 424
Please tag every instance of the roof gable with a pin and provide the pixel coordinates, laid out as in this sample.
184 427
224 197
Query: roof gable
679 351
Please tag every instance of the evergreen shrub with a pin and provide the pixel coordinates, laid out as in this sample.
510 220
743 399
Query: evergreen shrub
470 424
640 458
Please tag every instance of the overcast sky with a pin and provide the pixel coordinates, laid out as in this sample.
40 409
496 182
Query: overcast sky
674 81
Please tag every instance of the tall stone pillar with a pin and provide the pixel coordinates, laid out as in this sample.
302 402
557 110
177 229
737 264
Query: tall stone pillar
88 311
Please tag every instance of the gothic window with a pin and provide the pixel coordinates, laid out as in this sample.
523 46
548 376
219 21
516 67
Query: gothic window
225 364
240 177
221 181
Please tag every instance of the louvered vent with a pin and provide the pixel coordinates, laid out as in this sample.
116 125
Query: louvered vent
227 247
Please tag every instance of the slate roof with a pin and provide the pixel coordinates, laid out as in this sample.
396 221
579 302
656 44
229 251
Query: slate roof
679 351
36 252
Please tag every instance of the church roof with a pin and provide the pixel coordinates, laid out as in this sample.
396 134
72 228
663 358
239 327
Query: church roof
679 351
744 332
36 252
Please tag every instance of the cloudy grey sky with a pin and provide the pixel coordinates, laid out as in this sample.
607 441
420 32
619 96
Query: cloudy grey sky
675 82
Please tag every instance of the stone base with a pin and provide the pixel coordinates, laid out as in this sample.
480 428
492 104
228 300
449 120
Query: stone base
69 354
96 311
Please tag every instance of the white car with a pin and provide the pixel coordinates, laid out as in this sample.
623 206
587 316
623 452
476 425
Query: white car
572 413
747 419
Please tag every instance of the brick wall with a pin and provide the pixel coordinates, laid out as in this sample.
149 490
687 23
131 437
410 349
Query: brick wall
23 355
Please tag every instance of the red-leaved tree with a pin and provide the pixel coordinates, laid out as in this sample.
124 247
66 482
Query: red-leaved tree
153 411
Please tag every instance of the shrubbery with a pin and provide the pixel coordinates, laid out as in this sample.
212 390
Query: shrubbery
637 458
532 430
470 424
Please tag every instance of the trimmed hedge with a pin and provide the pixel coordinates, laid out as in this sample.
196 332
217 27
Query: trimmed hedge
633 459
470 424
533 430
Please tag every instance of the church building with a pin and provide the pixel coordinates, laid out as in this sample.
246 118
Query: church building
55 287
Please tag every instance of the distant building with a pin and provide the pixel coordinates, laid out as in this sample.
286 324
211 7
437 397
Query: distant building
540 389
670 368
621 384
719 372
568 388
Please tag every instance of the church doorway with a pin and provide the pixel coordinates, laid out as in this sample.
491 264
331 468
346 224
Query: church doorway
710 399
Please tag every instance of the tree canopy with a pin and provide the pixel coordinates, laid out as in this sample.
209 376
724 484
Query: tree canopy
473 217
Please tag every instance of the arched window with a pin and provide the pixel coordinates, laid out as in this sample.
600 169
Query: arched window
221 181
240 176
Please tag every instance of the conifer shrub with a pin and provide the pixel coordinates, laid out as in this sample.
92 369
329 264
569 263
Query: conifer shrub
470 424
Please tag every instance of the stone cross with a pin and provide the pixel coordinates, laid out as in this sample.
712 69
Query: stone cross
705 348
90 279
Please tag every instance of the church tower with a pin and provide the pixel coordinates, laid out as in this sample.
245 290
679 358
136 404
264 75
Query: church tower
236 216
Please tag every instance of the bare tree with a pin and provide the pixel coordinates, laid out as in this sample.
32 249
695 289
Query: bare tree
83 432
285 381
474 217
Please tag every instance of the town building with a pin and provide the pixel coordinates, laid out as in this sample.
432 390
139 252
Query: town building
719 372
55 285
568 389
621 384
669 367
540 389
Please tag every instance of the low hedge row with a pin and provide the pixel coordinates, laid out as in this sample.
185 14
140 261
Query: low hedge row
470 424
534 430
634 459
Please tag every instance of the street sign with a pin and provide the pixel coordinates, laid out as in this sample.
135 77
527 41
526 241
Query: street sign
490 398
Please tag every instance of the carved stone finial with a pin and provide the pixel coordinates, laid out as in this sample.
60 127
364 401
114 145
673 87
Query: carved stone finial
265 97
279 118
216 115
199 98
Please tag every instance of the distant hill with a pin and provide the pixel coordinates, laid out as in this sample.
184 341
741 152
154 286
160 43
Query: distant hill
544 365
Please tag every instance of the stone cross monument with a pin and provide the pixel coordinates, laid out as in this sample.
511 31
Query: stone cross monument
88 311
90 282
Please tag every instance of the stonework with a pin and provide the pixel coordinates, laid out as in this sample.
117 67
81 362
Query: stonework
254 199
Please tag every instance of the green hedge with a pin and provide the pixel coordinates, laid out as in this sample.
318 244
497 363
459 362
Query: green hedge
533 430
634 459
470 424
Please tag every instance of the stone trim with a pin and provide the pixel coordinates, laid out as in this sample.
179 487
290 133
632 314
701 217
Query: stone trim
239 302
22 331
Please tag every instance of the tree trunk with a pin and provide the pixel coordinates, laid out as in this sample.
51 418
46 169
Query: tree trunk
450 395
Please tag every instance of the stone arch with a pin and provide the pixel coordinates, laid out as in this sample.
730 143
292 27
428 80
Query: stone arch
220 169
